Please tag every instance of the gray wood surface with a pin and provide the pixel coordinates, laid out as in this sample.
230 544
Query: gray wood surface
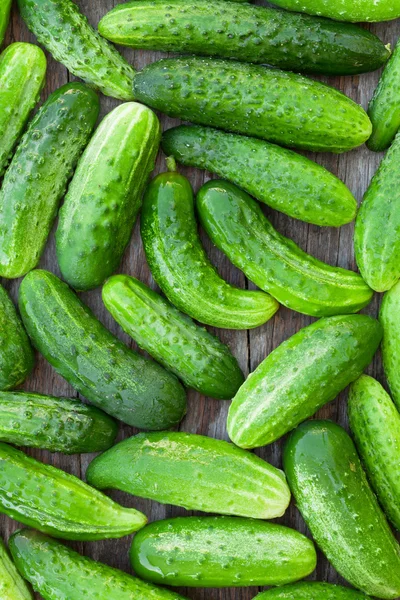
207 416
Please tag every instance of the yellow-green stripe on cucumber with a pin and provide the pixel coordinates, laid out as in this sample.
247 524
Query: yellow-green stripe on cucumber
12 586
311 590
343 10
390 320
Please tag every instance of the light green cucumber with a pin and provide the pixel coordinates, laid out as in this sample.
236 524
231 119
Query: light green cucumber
5 9
311 590
390 319
346 10
12 586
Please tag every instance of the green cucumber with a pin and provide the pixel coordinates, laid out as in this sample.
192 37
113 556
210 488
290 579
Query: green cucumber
237 226
37 177
311 590
193 471
181 267
5 9
16 355
196 356
300 376
55 424
121 382
390 319
267 103
57 503
105 194
59 573
12 586
246 32
346 10
22 76
375 424
332 493
65 32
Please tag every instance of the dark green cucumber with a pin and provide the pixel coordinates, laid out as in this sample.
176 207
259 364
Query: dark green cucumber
105 195
12 586
5 9
246 32
332 493
121 382
346 10
196 356
300 376
37 177
22 75
193 471
65 32
389 318
267 103
237 226
55 424
59 573
180 265
375 424
57 503
310 590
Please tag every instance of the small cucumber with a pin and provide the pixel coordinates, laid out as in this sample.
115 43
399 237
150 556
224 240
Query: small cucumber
221 552
346 10
55 424
340 509
193 471
12 586
65 32
59 573
105 194
390 320
237 226
180 265
5 9
300 376
267 103
22 75
310 590
375 424
121 382
37 177
55 502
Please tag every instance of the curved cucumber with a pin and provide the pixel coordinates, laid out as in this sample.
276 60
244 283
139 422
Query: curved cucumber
300 376
65 32
12 586
105 194
55 424
267 103
180 265
343 10
237 226
390 320
5 10
37 177
196 356
193 471
340 509
22 75
248 33
375 424
310 590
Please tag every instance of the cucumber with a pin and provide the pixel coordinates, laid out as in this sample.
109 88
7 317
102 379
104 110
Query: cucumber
121 382
180 265
375 424
5 9
58 503
340 509
55 424
346 10
389 318
310 590
237 226
59 573
37 177
12 586
105 194
284 180
267 103
16 355
300 376
66 33
22 76
193 471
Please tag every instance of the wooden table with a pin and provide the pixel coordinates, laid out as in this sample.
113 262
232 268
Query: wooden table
206 416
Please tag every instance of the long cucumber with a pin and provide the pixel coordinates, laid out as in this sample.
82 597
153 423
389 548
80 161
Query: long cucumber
5 9
12 586
345 10
390 320
311 590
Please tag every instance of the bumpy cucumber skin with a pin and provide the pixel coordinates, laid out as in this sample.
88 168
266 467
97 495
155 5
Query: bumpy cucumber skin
389 318
196 356
343 10
65 32
283 179
300 376
57 503
247 99
22 75
121 382
310 590
55 424
37 177
105 194
237 226
193 471
180 265
12 586
340 509
59 573
5 10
